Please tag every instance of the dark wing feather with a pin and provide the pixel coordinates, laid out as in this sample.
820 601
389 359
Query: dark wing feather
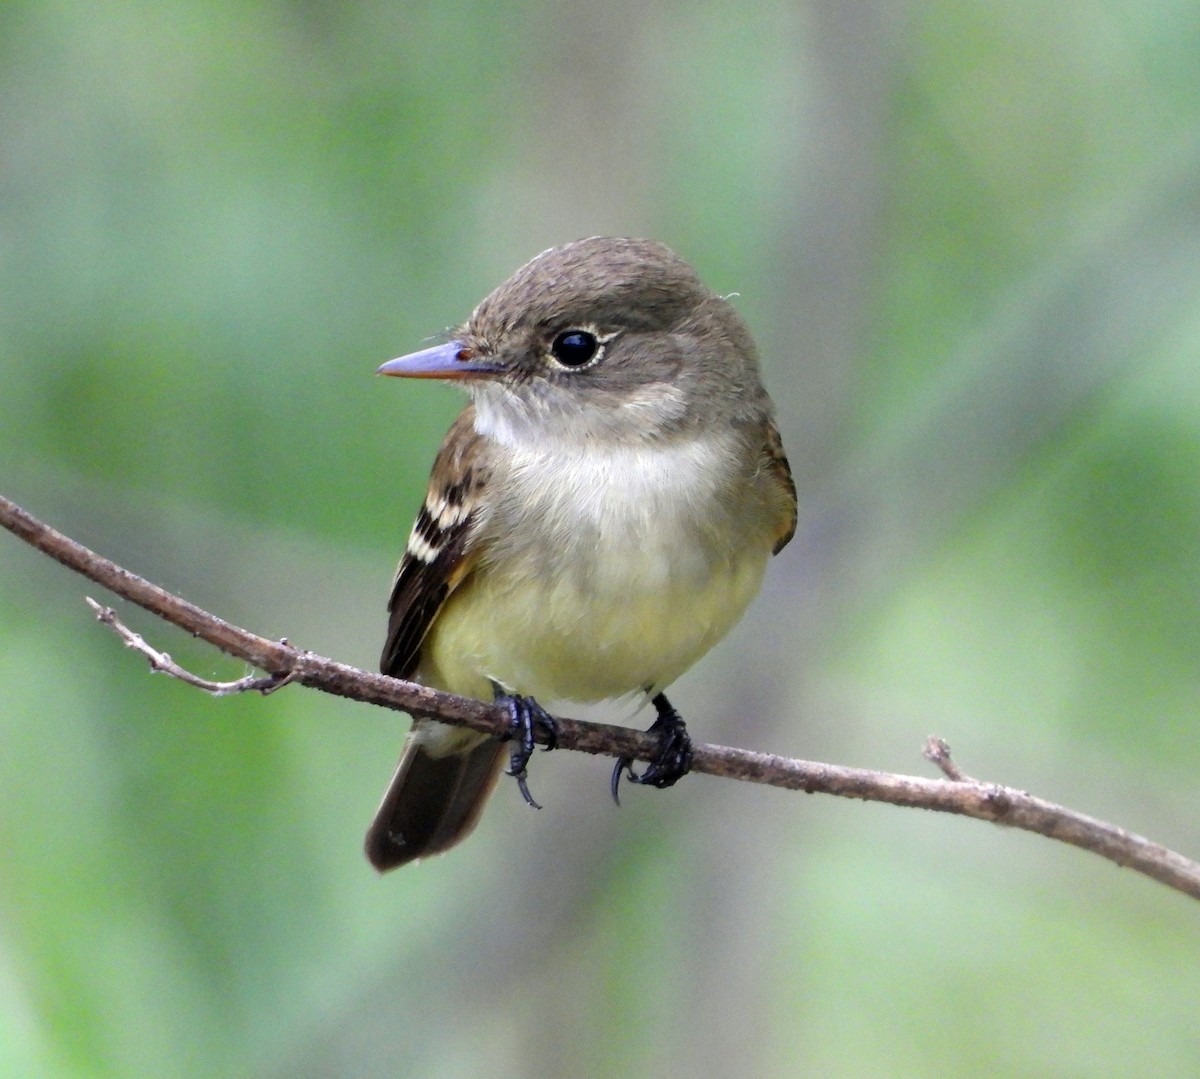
438 557
781 472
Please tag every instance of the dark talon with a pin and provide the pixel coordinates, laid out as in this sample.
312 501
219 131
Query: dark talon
615 782
526 716
523 787
674 756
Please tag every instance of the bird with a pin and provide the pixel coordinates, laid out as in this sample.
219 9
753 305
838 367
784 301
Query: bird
598 516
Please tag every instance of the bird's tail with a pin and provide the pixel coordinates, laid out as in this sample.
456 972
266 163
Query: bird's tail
434 800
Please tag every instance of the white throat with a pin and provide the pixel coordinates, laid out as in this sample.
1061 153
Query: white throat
556 415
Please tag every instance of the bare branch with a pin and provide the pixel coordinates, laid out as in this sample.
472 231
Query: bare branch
162 663
283 663
937 751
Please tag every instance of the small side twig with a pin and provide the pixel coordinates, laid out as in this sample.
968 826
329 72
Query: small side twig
162 663
937 751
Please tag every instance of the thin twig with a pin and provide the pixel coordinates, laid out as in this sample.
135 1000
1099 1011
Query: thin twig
162 663
937 751
284 663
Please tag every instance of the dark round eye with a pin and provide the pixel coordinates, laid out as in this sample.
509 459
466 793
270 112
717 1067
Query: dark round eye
574 348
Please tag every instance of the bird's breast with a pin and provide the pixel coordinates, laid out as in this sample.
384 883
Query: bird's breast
601 574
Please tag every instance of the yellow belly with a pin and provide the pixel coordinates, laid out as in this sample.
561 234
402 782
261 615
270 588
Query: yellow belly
633 623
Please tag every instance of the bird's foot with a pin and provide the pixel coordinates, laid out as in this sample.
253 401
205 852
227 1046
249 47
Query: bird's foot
673 759
526 716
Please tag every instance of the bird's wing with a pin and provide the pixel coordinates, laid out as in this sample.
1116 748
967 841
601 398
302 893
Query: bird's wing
438 557
777 467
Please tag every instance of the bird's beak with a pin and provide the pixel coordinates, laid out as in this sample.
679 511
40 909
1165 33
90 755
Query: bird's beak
451 360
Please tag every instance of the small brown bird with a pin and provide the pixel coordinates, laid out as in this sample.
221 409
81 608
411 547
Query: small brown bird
598 517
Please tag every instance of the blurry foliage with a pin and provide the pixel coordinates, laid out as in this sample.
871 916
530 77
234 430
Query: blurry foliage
963 237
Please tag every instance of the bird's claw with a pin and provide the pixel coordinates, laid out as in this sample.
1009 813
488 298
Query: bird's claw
672 760
526 716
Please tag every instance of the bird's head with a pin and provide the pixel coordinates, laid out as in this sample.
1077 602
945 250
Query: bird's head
604 337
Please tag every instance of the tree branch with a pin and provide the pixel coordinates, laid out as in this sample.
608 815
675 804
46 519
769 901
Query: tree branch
283 663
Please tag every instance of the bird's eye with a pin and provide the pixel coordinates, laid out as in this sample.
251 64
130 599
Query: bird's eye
574 348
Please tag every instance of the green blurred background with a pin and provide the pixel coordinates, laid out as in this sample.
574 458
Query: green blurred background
967 238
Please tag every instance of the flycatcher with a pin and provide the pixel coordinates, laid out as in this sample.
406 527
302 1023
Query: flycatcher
598 517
